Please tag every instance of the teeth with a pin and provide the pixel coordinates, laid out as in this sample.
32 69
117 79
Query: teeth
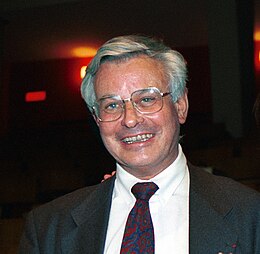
138 138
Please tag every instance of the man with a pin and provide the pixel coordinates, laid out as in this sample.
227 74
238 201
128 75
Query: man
135 88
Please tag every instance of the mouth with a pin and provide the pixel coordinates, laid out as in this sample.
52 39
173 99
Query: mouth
138 138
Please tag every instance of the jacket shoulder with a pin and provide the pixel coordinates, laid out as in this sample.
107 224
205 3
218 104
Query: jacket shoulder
64 203
224 187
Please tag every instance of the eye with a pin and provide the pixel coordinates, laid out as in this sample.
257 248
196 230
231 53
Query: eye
147 101
110 106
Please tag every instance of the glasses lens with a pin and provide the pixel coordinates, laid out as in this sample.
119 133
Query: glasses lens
147 100
109 109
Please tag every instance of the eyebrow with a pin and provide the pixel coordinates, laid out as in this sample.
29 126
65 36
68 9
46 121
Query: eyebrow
114 95
107 96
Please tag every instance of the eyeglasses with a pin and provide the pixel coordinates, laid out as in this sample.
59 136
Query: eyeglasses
145 101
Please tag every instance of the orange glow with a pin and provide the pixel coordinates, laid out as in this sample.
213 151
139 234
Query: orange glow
83 71
257 36
84 52
76 71
35 96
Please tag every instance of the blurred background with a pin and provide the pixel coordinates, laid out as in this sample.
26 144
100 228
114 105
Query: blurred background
49 144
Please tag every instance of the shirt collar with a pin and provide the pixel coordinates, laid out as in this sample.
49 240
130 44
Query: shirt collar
168 180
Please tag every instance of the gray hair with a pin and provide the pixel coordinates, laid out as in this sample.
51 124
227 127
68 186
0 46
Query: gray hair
123 48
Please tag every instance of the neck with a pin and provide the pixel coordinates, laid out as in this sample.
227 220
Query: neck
147 172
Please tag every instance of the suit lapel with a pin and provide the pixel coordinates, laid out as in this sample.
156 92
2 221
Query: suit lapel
91 219
210 211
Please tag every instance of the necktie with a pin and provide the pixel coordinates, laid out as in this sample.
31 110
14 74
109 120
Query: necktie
139 234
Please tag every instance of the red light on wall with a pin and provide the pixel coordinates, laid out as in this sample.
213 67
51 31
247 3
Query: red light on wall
35 96
257 56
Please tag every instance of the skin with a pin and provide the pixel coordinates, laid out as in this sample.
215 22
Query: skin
148 158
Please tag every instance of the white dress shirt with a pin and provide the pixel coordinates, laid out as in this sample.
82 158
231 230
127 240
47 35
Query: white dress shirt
169 208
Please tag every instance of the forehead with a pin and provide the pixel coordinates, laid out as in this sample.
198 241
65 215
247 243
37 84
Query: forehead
129 75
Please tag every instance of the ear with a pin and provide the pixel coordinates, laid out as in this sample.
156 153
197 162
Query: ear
96 119
182 106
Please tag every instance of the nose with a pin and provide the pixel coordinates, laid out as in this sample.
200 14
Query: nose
131 116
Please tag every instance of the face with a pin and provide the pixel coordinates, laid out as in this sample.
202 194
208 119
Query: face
158 146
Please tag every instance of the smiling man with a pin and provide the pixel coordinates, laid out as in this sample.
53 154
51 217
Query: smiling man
157 202
143 137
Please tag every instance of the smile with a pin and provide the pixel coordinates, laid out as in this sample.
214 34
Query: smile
138 138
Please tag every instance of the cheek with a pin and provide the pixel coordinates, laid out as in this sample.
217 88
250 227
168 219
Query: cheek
107 132
170 123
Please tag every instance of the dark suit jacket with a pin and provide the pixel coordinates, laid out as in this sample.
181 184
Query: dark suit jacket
224 218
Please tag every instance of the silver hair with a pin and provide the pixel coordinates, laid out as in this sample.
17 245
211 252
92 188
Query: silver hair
123 48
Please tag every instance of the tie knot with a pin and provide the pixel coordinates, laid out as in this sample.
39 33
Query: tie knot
144 191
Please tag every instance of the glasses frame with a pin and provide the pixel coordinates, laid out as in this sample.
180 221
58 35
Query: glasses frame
133 103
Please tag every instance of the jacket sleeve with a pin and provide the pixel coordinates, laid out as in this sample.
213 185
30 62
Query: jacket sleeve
29 241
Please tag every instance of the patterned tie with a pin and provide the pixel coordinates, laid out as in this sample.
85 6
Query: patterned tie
139 235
